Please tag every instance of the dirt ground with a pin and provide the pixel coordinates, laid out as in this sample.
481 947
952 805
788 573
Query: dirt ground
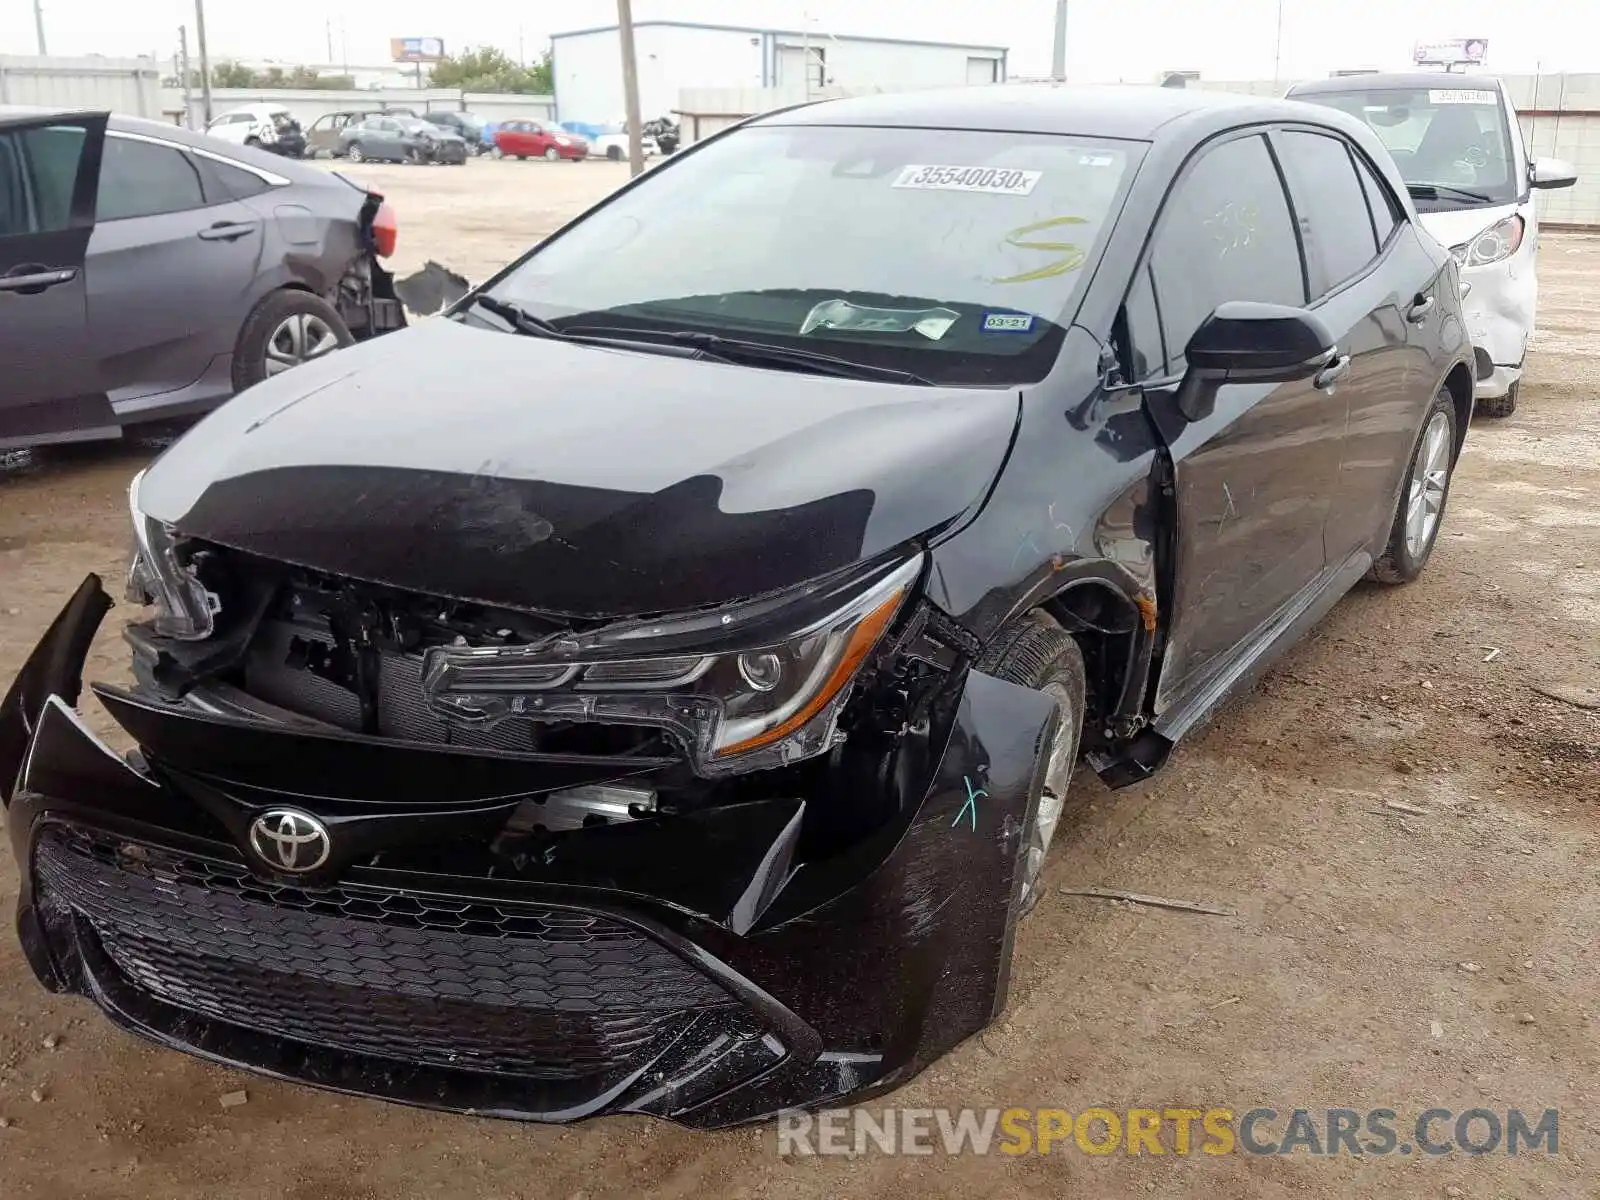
1339 983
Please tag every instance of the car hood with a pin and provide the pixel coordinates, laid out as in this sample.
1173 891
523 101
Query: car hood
587 481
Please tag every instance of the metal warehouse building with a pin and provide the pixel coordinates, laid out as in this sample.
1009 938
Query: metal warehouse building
674 55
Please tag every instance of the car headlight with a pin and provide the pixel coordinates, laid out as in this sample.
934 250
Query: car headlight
743 689
1500 241
159 576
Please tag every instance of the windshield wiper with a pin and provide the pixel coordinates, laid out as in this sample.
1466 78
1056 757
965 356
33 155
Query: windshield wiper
738 350
1432 191
519 319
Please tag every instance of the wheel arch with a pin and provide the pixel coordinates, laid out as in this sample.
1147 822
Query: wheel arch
1459 382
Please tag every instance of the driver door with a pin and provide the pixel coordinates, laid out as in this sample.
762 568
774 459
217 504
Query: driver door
49 173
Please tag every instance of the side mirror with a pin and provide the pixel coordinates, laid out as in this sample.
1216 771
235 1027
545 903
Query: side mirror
1551 173
1246 342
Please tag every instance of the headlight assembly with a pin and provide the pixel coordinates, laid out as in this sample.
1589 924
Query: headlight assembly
1500 241
743 689
158 576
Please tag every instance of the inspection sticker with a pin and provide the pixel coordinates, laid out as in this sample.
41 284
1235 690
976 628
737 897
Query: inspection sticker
1000 180
1459 96
1007 322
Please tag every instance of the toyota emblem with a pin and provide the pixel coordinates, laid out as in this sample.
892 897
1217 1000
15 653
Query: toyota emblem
290 840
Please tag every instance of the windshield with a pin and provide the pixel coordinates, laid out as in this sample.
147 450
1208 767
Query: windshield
954 255
417 125
1445 137
283 121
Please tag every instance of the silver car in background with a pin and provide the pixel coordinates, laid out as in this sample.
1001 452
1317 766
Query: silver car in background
147 272
1461 151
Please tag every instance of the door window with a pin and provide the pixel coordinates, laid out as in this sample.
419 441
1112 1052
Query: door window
1385 213
142 179
1335 223
1225 234
223 182
53 155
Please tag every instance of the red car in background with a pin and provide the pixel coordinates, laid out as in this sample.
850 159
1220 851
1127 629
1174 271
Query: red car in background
533 139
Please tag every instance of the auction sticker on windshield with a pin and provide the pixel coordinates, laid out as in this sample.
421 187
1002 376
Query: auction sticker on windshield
1002 181
1459 96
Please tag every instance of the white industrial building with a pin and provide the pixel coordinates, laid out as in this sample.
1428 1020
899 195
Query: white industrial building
674 55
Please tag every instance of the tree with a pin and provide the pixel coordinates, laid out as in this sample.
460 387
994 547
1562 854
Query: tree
490 69
232 75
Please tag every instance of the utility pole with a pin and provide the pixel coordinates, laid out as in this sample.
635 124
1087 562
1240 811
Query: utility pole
330 40
630 86
805 52
1277 48
38 25
205 61
1058 57
183 77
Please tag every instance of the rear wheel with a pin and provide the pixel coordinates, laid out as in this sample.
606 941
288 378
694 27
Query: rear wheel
1037 653
1422 500
1499 406
286 329
614 153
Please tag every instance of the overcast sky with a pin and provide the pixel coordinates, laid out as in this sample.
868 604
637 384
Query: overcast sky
1108 39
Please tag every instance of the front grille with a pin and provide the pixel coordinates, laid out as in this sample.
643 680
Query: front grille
503 988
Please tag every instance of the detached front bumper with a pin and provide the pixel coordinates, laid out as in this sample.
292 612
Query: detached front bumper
684 967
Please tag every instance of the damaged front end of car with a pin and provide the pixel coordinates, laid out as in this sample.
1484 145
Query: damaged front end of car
706 866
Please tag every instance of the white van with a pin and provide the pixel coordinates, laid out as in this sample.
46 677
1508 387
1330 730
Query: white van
1460 149
269 126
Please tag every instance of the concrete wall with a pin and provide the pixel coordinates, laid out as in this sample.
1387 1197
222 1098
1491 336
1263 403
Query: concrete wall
310 104
124 85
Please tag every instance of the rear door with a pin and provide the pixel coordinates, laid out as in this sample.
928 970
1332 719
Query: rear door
1255 478
170 270
1368 293
48 171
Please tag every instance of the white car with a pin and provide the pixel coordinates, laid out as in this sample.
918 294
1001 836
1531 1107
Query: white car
613 144
1460 149
269 126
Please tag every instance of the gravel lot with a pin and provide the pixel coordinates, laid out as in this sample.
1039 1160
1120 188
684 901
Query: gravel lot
1339 983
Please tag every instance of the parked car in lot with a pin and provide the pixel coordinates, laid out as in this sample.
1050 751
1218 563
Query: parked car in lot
147 272
388 138
469 126
1460 149
654 686
534 139
323 135
263 126
613 144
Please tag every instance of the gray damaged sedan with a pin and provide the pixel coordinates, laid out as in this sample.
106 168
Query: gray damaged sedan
149 273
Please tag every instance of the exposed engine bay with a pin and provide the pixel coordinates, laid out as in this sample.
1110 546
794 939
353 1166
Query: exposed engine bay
300 648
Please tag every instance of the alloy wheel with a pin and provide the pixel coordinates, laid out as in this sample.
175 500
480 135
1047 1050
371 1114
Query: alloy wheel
299 338
1430 476
354 153
1052 800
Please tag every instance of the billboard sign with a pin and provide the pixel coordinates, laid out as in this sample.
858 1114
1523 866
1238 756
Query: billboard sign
416 49
1455 53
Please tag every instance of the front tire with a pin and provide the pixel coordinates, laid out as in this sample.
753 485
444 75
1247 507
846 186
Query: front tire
1420 512
355 153
552 155
1037 653
614 153
286 329
1499 406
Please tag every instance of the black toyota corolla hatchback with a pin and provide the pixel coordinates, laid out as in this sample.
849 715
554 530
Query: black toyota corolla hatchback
652 687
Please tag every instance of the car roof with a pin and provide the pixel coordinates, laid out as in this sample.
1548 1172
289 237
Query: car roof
1115 111
1397 81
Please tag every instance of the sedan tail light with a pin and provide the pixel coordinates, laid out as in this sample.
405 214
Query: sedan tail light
385 231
